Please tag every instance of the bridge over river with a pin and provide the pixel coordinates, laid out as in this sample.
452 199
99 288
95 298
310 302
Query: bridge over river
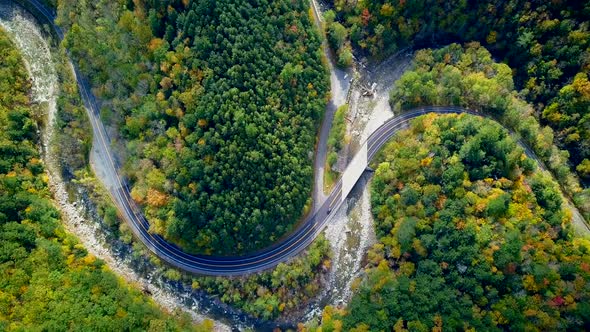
289 246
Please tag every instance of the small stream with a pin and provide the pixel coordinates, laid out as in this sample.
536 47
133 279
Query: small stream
351 230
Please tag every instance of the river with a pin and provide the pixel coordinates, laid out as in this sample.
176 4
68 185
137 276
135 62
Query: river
31 39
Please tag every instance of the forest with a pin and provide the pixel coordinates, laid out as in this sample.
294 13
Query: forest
279 292
467 76
215 114
547 44
213 107
472 236
48 281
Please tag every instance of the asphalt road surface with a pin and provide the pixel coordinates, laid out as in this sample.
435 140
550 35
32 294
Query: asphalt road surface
264 259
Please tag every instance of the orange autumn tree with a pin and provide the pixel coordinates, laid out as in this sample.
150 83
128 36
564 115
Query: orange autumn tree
471 236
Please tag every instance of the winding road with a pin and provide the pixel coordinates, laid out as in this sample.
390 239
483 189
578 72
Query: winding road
269 257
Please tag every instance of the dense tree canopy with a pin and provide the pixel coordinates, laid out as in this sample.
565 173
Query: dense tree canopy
547 43
470 236
287 288
468 77
569 114
218 103
48 281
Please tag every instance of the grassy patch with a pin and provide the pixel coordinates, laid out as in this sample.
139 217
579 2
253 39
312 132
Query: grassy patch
338 130
336 140
330 178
